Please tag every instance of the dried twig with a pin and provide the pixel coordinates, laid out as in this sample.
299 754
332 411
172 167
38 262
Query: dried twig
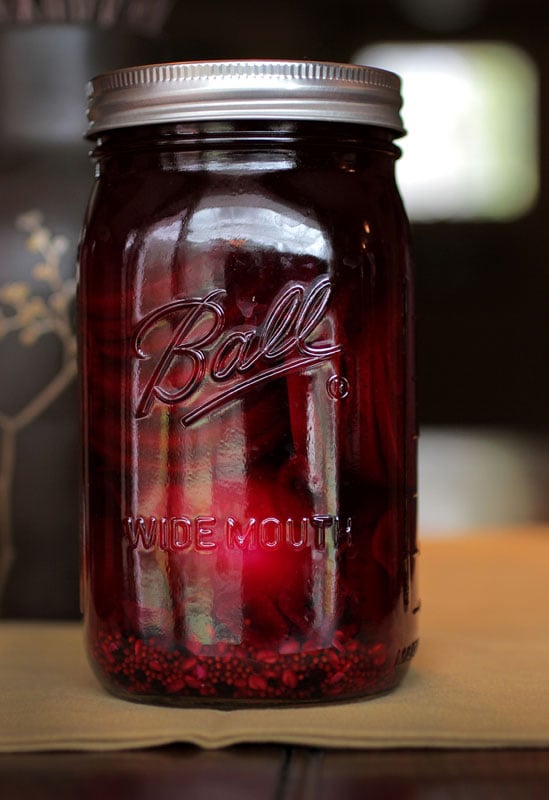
31 315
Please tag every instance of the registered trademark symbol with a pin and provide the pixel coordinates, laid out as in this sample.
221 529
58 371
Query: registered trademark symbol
337 387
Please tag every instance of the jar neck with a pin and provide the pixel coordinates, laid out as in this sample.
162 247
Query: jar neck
248 135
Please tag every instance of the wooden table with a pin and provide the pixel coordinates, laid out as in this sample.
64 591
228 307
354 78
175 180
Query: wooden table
293 773
277 773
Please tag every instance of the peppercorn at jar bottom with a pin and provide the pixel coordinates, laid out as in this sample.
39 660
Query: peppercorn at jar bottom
146 669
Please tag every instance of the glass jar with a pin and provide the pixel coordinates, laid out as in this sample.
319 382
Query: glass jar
247 386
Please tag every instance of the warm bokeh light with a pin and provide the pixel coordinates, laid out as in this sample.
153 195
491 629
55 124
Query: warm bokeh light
471 114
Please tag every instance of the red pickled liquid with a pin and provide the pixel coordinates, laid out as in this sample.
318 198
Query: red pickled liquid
248 409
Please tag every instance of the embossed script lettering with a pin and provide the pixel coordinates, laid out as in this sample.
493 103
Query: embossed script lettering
236 359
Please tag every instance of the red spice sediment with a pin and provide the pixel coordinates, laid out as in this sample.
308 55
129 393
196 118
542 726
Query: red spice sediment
232 672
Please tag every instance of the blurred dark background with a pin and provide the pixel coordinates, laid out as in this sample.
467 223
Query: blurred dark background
482 288
482 282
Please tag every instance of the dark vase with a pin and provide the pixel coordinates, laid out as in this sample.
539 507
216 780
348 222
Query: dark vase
45 179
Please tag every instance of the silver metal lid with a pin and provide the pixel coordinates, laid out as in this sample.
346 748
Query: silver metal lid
223 90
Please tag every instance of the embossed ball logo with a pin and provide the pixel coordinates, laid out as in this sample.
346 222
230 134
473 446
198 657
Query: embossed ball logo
231 361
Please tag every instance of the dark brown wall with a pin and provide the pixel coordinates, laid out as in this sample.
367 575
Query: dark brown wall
482 289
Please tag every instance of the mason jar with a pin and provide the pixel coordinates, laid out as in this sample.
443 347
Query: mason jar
247 385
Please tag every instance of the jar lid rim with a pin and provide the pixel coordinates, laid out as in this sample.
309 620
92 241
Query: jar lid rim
192 91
